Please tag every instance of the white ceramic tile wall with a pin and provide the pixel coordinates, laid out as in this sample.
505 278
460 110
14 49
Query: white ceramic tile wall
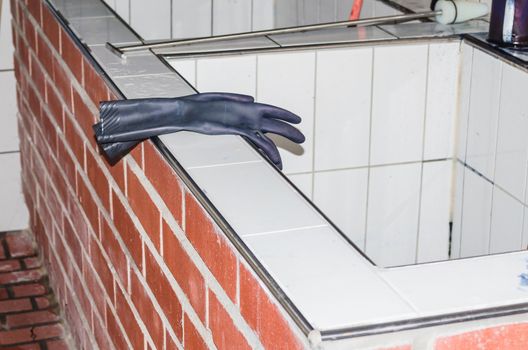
398 103
6 45
435 212
236 74
442 93
483 113
231 16
476 215
122 7
392 217
13 211
287 80
186 68
191 18
506 223
343 88
457 205
512 141
304 182
342 196
8 119
151 21
263 14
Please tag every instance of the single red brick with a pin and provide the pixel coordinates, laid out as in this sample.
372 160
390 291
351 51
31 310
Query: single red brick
55 106
127 230
225 333
164 294
142 205
23 52
101 335
114 252
146 310
72 241
35 10
20 245
2 253
66 162
15 305
128 320
62 83
95 290
83 115
118 338
101 267
87 202
75 141
50 27
263 315
37 76
34 104
192 339
57 344
43 302
137 154
27 290
9 265
29 33
49 133
20 276
32 263
71 55
31 334
3 294
31 318
94 84
98 180
184 271
118 173
164 180
511 337
211 245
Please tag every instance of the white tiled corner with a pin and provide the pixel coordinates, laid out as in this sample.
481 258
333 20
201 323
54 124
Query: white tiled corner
254 198
506 223
483 113
512 141
6 40
342 114
8 119
392 217
263 15
442 94
458 201
236 74
231 16
186 68
435 211
287 80
476 215
191 18
152 22
466 67
327 279
196 150
398 104
13 211
303 183
342 196
122 7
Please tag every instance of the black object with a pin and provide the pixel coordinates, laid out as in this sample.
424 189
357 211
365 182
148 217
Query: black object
125 123
509 23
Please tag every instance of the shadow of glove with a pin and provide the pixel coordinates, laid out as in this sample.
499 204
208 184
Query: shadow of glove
126 121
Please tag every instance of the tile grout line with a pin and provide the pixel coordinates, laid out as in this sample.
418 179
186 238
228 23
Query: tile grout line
300 228
314 124
420 192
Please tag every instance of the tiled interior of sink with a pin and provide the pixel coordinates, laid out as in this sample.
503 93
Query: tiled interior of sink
385 156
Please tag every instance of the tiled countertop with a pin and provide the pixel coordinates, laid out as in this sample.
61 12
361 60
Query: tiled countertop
337 290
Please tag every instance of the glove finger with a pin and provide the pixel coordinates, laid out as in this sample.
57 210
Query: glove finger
283 129
219 96
267 146
273 112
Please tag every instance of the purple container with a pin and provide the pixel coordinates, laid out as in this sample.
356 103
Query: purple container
509 23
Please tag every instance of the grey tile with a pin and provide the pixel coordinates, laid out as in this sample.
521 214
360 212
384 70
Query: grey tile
433 29
154 85
134 64
332 36
81 8
98 31
224 45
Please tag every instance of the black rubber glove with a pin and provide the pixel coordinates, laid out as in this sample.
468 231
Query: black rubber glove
125 123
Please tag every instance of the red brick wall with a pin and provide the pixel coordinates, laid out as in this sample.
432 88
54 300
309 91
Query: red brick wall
133 257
